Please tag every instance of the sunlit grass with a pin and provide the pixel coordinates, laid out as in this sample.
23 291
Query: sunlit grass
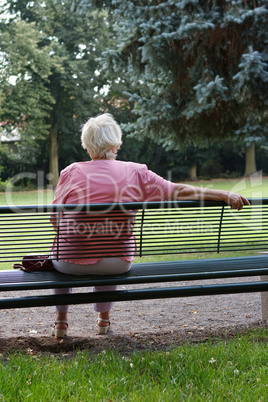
41 197
234 369
253 187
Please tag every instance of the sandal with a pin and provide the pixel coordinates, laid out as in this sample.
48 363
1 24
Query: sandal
59 333
103 330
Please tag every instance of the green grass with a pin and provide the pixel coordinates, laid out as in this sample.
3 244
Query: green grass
249 187
41 197
223 370
193 256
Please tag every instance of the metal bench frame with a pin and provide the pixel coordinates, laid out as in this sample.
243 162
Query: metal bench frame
230 231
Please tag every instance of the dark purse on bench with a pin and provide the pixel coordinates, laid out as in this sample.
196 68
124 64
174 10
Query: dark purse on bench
35 263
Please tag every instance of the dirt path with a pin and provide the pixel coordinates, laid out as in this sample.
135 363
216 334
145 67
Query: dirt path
139 325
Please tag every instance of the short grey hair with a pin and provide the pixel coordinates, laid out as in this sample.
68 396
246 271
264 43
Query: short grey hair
100 135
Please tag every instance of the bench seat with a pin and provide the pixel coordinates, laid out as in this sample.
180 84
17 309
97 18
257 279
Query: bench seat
140 273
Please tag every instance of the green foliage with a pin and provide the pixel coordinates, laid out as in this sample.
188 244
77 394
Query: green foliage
202 66
191 71
2 186
54 56
27 101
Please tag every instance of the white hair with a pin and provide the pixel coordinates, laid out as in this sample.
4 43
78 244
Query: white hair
101 136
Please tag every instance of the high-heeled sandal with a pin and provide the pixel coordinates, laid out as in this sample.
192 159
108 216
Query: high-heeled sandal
59 333
103 330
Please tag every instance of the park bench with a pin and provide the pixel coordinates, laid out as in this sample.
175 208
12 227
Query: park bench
166 228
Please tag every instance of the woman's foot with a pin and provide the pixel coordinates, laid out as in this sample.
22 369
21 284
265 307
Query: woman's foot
60 327
103 326
103 322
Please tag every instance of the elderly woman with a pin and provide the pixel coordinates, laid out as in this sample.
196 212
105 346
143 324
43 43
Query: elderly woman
106 180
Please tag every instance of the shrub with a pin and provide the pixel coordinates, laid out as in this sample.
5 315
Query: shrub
211 169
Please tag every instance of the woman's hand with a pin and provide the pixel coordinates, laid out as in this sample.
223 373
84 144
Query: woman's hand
236 201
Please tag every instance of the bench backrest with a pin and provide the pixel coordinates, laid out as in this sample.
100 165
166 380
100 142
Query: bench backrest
104 229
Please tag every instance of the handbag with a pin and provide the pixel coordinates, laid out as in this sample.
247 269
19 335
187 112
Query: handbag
35 263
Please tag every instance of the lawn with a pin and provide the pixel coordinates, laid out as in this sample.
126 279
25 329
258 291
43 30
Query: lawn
249 187
254 187
41 197
219 370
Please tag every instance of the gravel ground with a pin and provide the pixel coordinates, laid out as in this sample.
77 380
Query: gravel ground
137 325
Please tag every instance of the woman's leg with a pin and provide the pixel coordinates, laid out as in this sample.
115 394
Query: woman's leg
106 266
109 266
61 310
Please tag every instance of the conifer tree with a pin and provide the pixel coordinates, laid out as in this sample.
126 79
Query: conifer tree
202 66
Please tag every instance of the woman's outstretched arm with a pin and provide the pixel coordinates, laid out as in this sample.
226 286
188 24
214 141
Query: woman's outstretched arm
188 192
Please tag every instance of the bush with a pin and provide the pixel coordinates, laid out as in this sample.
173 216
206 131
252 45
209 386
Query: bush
3 185
211 169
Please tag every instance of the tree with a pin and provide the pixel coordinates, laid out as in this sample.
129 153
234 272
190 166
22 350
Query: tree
72 42
192 57
27 101
249 80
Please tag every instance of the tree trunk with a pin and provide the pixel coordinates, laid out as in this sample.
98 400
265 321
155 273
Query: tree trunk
250 160
53 156
193 174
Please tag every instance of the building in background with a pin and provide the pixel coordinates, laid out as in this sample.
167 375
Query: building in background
9 138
